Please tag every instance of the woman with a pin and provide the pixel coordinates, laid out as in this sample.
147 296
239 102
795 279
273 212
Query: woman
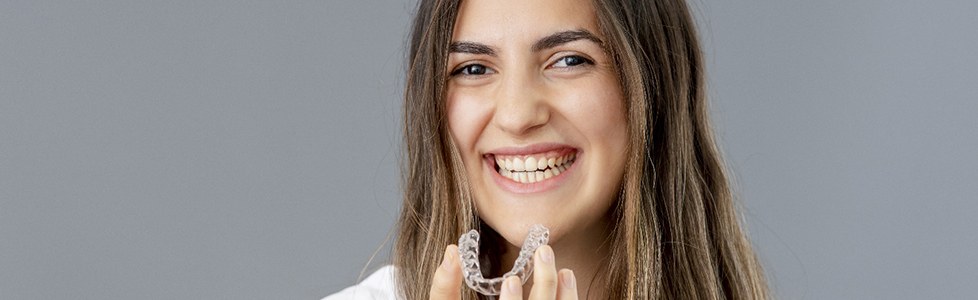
588 117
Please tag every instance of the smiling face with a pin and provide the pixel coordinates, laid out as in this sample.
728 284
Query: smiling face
536 111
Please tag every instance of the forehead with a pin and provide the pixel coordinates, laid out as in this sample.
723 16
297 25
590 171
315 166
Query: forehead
501 22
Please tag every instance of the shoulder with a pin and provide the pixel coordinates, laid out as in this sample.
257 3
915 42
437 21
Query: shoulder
379 285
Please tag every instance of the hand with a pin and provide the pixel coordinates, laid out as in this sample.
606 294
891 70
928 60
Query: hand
547 282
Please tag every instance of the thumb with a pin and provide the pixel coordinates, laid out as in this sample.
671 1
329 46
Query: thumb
447 281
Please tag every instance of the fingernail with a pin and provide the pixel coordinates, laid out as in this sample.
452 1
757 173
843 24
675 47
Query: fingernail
512 285
567 279
547 254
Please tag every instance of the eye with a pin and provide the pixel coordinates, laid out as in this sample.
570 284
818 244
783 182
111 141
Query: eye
571 61
472 70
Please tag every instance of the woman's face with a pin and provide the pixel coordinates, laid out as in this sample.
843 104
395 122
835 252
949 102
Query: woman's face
536 111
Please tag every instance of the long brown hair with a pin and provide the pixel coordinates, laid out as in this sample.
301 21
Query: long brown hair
676 229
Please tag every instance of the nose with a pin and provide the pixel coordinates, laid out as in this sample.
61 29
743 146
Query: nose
521 105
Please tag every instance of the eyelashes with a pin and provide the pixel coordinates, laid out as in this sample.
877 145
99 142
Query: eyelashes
472 70
565 62
572 61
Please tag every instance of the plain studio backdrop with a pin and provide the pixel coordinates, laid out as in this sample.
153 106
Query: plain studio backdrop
249 150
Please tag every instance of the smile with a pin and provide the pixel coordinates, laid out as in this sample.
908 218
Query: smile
534 168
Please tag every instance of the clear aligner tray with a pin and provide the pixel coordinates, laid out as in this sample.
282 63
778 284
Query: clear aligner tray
468 250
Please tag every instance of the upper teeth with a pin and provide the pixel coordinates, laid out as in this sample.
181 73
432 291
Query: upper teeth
533 168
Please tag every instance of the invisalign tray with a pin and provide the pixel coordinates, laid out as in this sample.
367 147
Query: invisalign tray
468 250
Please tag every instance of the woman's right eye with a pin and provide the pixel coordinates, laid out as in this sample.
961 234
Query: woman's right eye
472 70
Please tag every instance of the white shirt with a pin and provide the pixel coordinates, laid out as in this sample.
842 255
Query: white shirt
377 286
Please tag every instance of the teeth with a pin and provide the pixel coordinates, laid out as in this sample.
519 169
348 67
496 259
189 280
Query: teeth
531 164
518 165
533 169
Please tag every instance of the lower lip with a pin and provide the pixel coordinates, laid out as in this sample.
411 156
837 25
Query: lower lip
530 188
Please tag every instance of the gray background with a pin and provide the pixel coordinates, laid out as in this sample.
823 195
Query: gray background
248 150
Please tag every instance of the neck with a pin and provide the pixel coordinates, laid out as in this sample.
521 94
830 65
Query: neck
583 251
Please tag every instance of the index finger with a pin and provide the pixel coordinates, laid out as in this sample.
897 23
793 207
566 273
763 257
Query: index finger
544 274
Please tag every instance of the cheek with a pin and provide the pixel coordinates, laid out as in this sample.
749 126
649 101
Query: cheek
597 111
467 117
613 126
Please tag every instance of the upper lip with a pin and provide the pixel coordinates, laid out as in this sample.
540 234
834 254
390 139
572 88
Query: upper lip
529 149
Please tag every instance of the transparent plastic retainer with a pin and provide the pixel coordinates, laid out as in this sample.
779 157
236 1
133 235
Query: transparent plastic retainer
468 250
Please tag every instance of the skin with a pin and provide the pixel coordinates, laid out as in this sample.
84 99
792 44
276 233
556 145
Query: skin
521 95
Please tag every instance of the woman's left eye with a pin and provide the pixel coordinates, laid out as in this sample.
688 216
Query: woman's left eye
571 61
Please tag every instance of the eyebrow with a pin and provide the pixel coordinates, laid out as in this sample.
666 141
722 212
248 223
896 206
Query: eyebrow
564 37
471 48
550 41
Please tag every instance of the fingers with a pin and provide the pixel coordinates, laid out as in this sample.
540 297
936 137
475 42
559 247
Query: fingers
544 274
447 282
512 289
567 289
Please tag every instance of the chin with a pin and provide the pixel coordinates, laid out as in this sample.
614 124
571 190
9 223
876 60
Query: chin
514 229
